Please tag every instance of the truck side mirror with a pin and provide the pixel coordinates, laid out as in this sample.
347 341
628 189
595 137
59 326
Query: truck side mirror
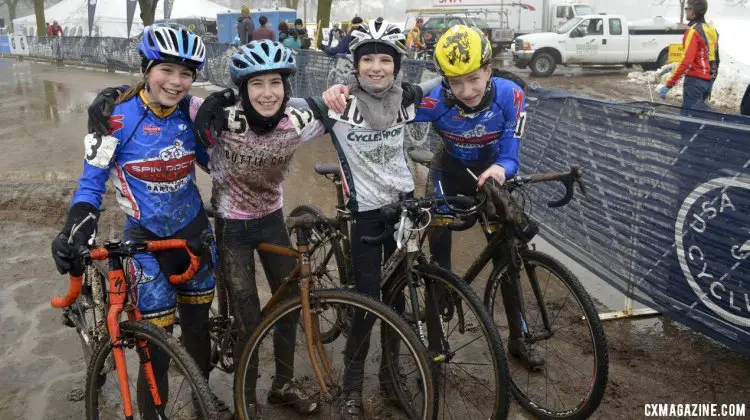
576 33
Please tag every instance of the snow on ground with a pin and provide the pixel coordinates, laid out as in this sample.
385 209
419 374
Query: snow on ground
734 70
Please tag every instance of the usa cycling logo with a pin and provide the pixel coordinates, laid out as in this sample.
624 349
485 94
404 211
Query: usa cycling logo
712 237
167 172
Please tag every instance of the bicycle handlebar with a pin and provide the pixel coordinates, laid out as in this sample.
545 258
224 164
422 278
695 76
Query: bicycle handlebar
130 248
410 208
574 176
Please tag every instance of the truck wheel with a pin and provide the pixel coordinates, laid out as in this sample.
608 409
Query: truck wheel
542 65
662 60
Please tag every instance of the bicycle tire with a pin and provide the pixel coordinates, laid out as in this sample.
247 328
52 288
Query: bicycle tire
294 303
158 337
396 285
592 401
337 328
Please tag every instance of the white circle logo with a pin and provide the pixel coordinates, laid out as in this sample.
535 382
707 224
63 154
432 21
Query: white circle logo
717 261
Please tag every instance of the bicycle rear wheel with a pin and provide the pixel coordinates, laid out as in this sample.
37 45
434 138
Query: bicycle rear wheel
186 390
571 340
472 373
259 361
329 270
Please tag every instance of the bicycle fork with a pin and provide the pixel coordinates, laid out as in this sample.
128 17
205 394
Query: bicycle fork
311 328
118 294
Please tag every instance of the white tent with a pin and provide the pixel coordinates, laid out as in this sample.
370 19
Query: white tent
110 18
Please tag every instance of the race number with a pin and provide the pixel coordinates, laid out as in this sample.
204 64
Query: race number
520 125
99 150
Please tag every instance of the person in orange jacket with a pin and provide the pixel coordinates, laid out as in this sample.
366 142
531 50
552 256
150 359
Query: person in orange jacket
700 65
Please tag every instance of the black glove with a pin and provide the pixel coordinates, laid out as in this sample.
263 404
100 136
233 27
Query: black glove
211 119
65 254
409 95
101 109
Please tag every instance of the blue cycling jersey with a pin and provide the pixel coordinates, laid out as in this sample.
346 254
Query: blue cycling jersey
490 136
151 163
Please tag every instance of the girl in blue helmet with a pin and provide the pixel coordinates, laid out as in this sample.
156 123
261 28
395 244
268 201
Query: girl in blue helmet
253 141
149 154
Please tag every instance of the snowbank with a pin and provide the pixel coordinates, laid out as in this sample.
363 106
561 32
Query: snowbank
734 70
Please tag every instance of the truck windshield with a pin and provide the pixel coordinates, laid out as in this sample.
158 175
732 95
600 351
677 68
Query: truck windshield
569 25
583 10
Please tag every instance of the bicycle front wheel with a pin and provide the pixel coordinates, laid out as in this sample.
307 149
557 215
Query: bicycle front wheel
265 359
561 326
182 388
469 362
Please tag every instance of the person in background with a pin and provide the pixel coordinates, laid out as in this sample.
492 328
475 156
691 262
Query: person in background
55 29
302 34
283 31
300 27
264 32
335 33
414 40
343 47
700 63
292 40
245 25
745 105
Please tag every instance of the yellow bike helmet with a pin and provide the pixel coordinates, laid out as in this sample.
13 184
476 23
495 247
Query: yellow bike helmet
462 50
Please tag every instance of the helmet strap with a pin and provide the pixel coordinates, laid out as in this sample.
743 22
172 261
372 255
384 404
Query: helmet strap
451 100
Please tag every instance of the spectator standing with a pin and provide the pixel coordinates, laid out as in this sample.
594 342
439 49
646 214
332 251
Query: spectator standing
264 31
700 64
55 29
292 41
245 25
343 47
283 31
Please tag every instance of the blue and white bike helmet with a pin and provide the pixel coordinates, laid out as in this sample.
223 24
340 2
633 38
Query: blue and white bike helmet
171 43
258 57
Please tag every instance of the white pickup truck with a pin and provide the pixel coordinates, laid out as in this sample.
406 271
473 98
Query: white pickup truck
597 40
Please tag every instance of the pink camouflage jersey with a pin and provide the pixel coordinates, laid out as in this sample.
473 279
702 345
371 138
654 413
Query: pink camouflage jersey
248 169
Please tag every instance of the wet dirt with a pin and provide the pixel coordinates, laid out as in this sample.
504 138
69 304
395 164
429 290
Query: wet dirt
42 123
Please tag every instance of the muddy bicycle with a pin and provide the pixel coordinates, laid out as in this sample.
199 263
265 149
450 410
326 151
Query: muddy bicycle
540 306
548 290
403 374
171 387
465 348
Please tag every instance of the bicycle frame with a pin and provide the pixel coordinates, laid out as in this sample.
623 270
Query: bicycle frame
120 300
302 273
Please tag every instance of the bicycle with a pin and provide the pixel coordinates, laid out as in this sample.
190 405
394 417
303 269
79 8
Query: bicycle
510 250
314 304
445 312
105 342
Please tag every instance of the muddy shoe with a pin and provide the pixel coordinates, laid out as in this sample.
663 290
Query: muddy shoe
351 408
291 394
527 355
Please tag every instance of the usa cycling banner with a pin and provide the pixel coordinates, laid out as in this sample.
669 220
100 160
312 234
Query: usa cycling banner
669 206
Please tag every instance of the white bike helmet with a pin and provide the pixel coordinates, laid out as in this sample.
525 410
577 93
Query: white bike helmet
378 31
